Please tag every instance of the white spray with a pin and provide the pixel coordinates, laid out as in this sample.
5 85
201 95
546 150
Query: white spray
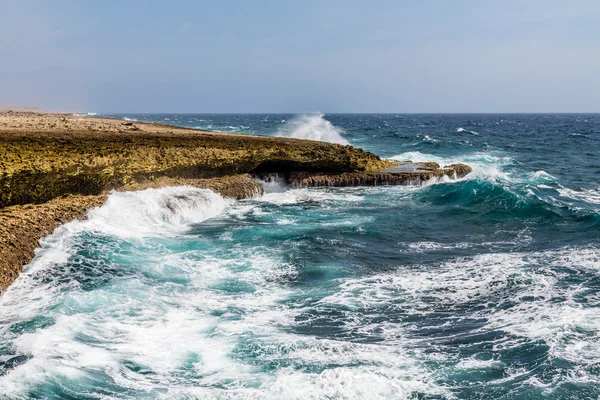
312 127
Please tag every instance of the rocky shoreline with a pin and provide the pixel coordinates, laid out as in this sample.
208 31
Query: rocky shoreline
22 226
404 174
54 167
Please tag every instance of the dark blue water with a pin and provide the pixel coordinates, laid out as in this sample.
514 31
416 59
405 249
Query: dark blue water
485 287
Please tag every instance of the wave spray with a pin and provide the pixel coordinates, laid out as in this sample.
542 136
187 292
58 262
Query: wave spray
312 127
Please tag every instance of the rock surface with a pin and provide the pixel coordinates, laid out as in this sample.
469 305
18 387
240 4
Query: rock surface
46 156
407 173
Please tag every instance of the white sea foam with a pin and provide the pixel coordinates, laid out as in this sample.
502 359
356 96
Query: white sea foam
154 212
194 339
421 247
587 195
168 331
273 184
464 130
295 196
475 364
333 383
540 304
485 166
158 328
312 127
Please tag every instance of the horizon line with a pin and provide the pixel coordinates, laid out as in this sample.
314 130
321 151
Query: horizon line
338 113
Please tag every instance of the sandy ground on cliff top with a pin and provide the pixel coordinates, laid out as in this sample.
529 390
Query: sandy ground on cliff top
27 122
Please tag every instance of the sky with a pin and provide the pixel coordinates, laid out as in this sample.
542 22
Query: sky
301 56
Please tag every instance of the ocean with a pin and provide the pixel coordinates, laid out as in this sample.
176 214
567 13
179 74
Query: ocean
486 287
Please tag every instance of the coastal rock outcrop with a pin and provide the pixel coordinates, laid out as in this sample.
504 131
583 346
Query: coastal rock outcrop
37 165
54 167
406 173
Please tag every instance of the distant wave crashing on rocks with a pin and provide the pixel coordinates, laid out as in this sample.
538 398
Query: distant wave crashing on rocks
312 127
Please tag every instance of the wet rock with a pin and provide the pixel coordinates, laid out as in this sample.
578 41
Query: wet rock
403 174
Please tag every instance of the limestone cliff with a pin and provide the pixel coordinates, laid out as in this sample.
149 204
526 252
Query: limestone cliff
37 166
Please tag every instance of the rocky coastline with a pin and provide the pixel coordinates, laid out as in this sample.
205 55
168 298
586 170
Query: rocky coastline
22 226
54 167
407 173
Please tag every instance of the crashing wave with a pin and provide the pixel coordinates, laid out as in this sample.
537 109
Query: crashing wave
154 212
88 114
485 166
493 180
312 127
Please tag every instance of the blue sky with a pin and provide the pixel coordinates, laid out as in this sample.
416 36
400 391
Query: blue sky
301 56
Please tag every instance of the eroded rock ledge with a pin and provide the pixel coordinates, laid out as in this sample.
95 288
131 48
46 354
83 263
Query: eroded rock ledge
406 173
47 156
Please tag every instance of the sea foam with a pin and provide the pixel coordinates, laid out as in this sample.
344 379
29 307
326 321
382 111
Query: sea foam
171 319
153 212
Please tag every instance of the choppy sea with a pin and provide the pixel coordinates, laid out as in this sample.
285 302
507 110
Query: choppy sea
487 287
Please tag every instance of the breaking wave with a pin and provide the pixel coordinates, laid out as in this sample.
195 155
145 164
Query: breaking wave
485 166
312 127
497 185
154 212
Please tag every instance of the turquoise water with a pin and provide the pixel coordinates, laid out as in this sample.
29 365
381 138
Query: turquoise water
485 287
